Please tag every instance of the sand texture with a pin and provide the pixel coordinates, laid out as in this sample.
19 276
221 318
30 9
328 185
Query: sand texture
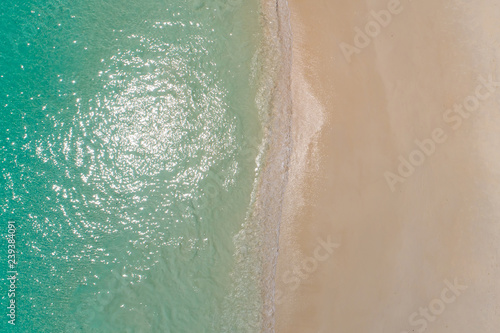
391 215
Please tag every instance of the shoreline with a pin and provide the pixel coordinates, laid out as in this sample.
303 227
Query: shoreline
355 256
274 102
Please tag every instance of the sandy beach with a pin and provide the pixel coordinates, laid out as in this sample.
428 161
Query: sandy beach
391 214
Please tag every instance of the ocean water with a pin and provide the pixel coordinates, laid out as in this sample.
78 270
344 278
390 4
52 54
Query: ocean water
131 144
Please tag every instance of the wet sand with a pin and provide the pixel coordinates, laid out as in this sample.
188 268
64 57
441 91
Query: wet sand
391 216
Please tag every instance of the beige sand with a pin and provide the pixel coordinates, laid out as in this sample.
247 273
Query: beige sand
400 252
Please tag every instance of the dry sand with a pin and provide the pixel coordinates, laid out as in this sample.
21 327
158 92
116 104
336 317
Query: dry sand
397 249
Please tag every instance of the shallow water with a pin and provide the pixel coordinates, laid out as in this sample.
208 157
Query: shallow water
129 137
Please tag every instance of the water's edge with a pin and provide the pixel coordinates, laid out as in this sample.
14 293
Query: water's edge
276 91
250 307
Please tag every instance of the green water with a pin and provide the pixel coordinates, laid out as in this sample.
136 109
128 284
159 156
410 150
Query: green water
129 134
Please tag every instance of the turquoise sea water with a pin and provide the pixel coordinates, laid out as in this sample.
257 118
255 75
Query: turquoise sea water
128 146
